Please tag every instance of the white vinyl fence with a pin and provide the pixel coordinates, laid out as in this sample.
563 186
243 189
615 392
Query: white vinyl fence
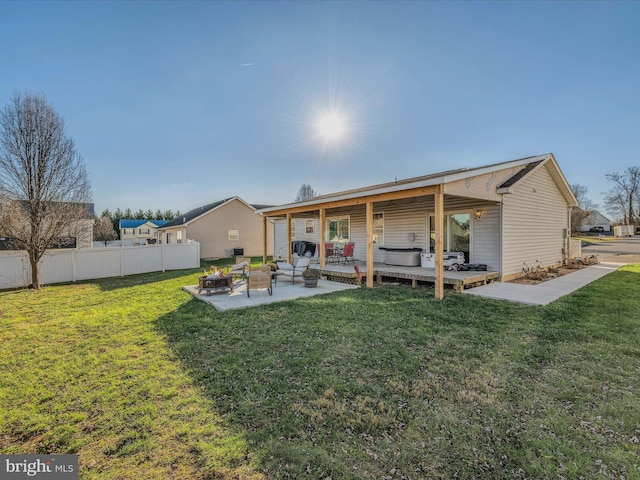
58 266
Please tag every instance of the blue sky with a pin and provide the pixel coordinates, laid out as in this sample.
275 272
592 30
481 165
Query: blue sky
174 105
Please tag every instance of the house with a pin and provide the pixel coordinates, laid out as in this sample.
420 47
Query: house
139 231
220 227
594 220
509 216
78 233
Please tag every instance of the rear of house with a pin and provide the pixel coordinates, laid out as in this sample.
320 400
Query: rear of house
509 216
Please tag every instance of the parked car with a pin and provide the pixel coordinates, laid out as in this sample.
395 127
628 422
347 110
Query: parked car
596 229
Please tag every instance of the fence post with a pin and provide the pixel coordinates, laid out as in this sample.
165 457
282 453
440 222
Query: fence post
162 255
74 275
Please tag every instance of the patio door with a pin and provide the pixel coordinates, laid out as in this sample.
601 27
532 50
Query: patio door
456 233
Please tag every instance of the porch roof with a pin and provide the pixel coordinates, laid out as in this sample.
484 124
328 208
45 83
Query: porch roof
423 185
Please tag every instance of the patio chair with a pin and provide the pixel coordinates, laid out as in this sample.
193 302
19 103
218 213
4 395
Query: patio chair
347 252
259 277
238 270
287 270
329 252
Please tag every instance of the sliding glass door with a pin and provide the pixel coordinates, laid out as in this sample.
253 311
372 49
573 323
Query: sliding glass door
456 233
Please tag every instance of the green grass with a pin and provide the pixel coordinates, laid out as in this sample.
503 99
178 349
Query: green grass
142 381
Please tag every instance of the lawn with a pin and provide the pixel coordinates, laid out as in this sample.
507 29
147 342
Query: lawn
144 382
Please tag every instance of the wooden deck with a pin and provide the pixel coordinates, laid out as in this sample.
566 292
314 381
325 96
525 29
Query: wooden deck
457 280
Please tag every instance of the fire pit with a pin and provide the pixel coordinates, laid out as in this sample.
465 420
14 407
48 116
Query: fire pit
215 284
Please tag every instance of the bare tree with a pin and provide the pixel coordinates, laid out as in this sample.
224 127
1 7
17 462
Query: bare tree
44 187
623 198
103 230
585 206
305 193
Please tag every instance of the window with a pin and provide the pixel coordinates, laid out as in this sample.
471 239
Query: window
233 235
309 226
338 229
168 238
293 229
143 231
124 231
179 236
378 228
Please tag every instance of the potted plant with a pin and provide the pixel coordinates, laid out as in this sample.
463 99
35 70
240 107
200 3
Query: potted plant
310 277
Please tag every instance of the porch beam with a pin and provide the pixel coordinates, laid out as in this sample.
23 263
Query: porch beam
323 250
289 258
349 202
264 239
439 243
370 270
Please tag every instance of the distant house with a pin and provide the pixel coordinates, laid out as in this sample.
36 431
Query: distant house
221 227
78 235
509 216
139 231
594 220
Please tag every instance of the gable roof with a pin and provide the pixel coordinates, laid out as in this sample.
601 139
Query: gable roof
196 213
530 165
520 175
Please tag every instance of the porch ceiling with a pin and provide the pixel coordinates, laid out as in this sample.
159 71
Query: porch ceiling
312 211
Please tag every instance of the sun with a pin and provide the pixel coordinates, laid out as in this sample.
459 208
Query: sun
331 126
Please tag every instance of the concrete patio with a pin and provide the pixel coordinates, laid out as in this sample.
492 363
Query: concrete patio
284 290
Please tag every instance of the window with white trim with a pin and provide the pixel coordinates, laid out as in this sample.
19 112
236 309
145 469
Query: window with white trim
378 228
338 229
233 235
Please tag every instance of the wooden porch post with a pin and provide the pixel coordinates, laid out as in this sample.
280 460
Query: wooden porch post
264 239
370 270
439 243
322 252
289 259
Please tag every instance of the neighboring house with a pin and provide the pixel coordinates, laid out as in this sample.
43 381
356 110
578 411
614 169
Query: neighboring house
595 219
507 215
221 227
139 231
80 235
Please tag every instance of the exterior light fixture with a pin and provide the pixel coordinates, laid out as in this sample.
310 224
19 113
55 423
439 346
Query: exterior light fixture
478 214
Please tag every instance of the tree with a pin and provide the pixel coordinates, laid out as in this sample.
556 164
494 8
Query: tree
148 215
622 200
44 187
158 215
585 206
103 230
305 193
168 215
107 213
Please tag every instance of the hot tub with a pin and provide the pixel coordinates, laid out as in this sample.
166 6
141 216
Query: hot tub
404 257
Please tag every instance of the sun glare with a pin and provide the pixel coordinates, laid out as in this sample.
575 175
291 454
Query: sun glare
331 126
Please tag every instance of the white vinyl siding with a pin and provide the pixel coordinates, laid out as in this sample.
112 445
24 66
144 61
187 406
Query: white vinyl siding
534 223
485 238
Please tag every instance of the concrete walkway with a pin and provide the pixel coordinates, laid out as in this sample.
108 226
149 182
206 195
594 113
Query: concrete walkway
545 292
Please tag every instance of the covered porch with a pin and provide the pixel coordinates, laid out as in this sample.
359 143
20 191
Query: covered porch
414 216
